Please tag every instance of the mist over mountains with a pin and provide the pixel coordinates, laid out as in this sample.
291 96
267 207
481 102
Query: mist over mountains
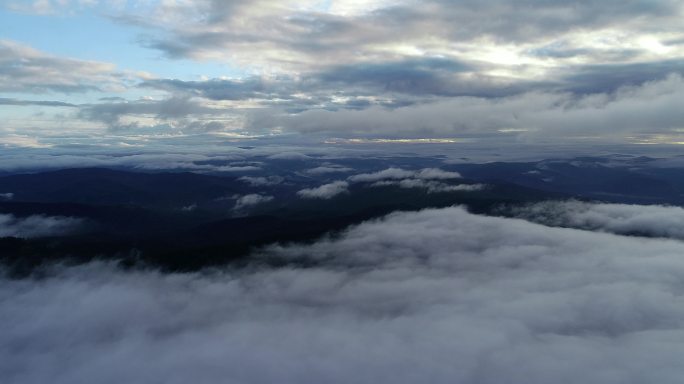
307 268
439 293
341 191
162 216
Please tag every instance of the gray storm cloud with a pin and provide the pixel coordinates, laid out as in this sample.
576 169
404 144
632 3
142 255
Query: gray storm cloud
37 225
437 296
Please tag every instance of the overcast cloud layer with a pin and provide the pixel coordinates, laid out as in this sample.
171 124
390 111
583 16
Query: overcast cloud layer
588 70
437 296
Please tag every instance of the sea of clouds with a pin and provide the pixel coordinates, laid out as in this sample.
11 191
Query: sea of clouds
437 296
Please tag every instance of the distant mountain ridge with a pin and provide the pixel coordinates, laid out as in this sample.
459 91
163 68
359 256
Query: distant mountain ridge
107 186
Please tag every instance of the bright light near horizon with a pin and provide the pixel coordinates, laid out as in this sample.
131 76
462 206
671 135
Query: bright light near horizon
396 141
654 45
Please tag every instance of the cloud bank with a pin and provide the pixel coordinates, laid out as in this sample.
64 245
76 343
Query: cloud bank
625 219
437 296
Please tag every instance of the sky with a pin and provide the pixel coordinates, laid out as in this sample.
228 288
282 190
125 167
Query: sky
87 71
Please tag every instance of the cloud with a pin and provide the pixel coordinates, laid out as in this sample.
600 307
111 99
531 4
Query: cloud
594 78
189 208
171 157
37 225
175 113
231 168
436 174
27 70
430 185
6 196
603 102
298 37
381 69
415 77
40 103
224 89
250 200
328 168
325 191
289 156
22 141
398 173
426 178
624 219
46 7
184 162
437 296
647 108
410 76
198 153
262 181
389 173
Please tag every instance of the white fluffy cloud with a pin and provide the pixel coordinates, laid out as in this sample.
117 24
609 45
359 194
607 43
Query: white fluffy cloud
426 178
37 225
250 200
389 173
325 191
398 173
328 168
437 296
647 220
